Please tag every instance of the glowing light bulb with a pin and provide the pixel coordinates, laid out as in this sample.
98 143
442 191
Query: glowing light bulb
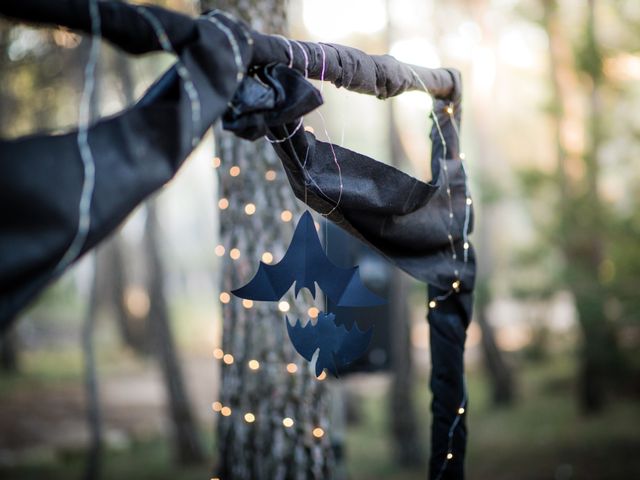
225 297
313 312
286 216
283 306
287 422
225 411
270 175
469 201
234 171
247 303
250 209
292 368
462 156
219 250
267 257
432 304
228 358
449 456
218 353
249 417
216 162
318 432
234 253
216 406
449 110
322 376
254 364
460 410
466 245
456 285
223 204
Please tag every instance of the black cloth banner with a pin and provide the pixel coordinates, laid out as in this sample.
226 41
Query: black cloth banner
135 153
141 148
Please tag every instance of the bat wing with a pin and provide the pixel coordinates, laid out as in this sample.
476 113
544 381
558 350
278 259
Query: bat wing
269 284
305 264
346 289
337 345
354 344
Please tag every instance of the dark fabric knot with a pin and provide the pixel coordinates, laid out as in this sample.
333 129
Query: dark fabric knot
271 96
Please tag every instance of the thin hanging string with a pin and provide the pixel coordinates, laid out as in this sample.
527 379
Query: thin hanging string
452 429
326 132
468 201
288 135
82 139
324 63
306 58
288 42
183 73
456 285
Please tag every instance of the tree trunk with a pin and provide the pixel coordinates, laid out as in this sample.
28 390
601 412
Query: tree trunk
111 264
265 448
581 209
112 279
499 370
186 442
405 427
93 461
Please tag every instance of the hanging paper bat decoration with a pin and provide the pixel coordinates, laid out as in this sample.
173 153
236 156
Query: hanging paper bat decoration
305 264
338 346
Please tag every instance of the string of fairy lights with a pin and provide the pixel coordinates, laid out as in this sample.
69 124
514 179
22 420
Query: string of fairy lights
250 208
227 358
283 306
432 303
254 365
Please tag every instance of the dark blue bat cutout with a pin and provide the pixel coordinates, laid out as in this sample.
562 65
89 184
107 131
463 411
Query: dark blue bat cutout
305 264
338 346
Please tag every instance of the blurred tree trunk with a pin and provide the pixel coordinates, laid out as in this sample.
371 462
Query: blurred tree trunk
9 351
186 442
93 460
111 264
8 341
405 427
499 370
133 326
264 449
581 229
502 384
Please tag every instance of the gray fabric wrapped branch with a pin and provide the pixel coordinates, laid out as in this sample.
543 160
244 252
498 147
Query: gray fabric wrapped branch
350 68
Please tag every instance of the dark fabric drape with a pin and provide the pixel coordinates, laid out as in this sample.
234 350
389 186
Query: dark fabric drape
407 221
135 153
140 149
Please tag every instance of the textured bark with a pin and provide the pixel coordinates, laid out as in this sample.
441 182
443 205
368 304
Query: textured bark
186 442
264 449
